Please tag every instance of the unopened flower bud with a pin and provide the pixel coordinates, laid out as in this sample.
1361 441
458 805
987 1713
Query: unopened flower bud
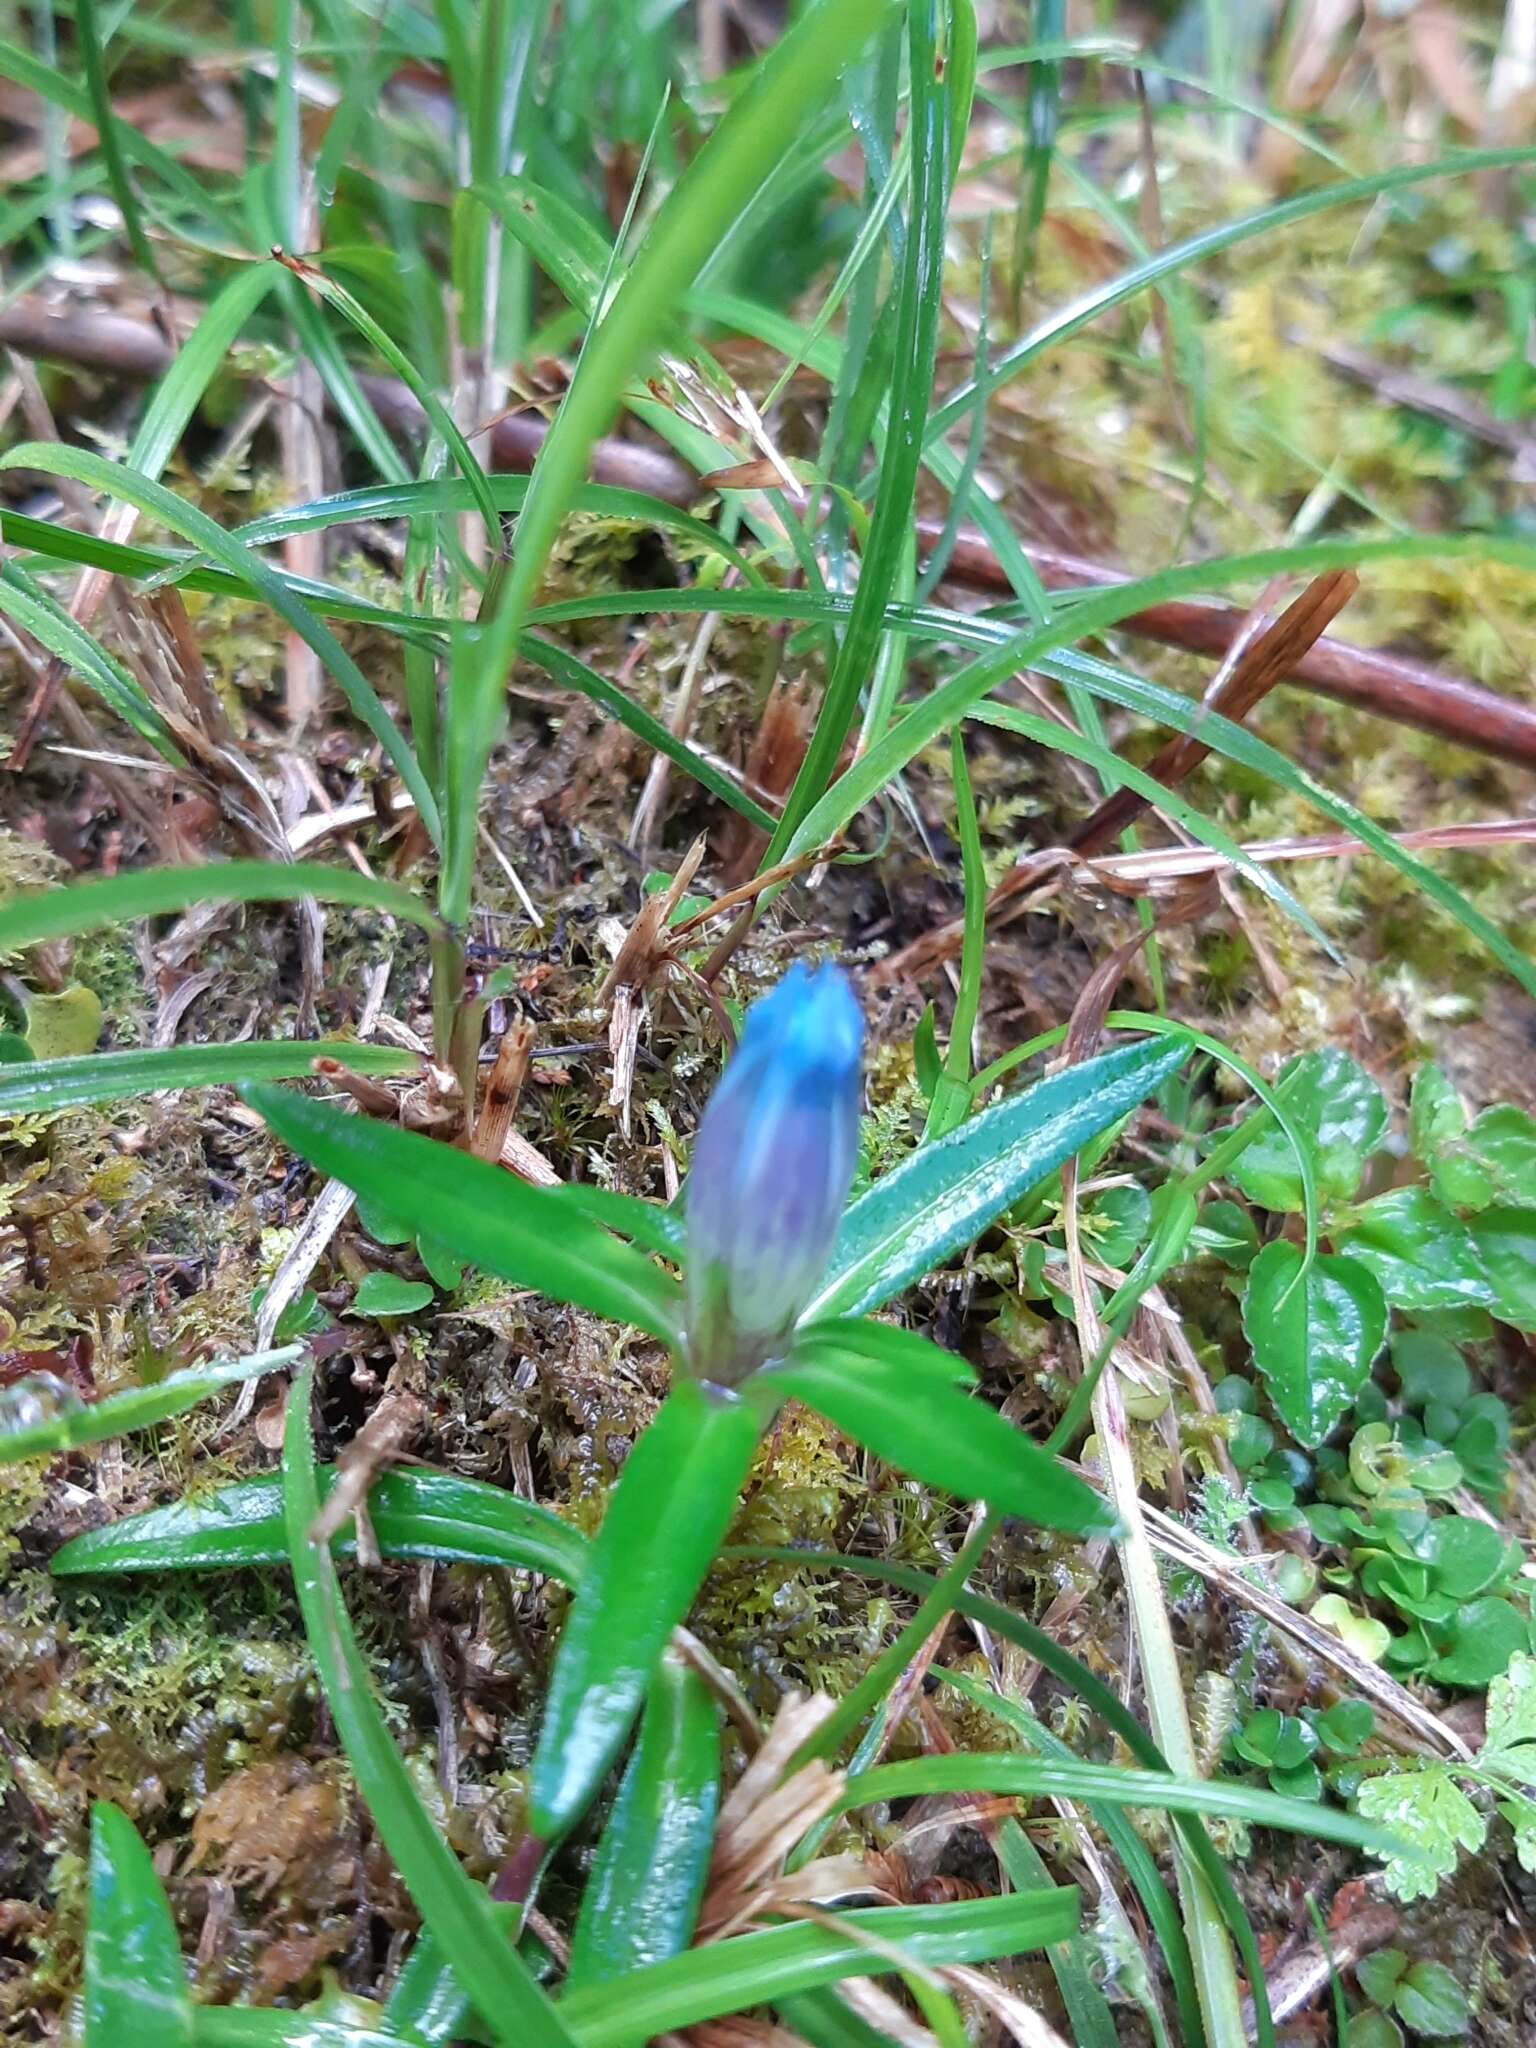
772 1165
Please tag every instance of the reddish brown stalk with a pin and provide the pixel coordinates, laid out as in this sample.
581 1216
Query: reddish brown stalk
1388 685
1261 657
1259 666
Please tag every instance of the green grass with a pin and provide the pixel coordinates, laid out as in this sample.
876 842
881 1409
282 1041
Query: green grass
464 230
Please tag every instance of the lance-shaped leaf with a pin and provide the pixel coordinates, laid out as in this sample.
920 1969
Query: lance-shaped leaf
414 1514
667 1517
924 1424
135 1986
485 1216
643 1891
38 1086
946 1193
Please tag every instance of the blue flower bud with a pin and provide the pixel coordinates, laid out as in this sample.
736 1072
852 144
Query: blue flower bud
772 1165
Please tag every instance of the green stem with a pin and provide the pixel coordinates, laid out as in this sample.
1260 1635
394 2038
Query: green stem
447 992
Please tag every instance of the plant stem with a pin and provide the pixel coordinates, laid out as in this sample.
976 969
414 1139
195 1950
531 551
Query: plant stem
1210 1950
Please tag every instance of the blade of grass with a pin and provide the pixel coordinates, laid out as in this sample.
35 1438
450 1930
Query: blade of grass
93 63
135 1407
1112 1821
1093 2024
32 608
458 1911
952 1096
907 395
968 689
1099 1699
443 423
1197 248
198 360
795 75
43 1087
86 467
753 1969
51 86
1042 102
155 892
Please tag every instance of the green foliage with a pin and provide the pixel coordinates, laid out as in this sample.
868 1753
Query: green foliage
1425 1996
1293 1750
439 237
1449 1585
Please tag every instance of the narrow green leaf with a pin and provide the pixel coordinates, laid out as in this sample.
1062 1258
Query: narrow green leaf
109 136
198 361
1179 256
754 1969
156 892
135 1985
428 2004
1043 1778
886 1344
67 1425
1135 1858
443 423
42 1086
1093 2024
414 1514
93 470
918 296
796 75
243 2026
940 1435
39 613
1096 1696
436 495
458 1911
484 1215
572 673
945 1194
643 1890
1314 1335
667 1517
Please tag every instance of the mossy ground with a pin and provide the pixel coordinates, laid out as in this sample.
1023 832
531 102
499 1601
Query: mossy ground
148 1227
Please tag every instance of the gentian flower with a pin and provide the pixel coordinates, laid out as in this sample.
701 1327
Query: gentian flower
772 1165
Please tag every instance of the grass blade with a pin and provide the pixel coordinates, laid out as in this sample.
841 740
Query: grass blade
458 1911
443 423
796 74
199 359
50 625
1196 249
93 470
42 1087
907 396
155 892
108 135
134 1407
753 1969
